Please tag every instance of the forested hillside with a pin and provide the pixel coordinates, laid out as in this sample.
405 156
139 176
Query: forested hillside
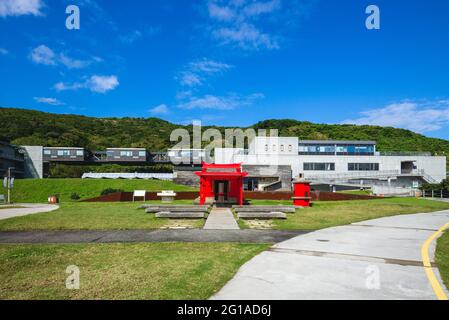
28 127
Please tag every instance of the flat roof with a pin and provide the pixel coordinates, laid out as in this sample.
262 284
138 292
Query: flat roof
359 142
66 148
138 149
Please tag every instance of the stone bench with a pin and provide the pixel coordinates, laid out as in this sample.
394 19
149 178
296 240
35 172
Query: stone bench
180 215
266 209
171 206
261 215
180 209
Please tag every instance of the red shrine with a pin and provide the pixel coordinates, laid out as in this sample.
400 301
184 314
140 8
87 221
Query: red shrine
221 183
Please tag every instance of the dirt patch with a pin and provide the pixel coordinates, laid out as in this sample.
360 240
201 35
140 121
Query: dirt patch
259 224
179 224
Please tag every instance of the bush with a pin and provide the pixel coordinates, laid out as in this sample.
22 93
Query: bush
75 196
109 191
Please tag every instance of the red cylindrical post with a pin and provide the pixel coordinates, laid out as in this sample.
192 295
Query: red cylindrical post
301 193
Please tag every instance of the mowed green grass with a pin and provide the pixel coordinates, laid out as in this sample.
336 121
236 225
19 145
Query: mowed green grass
91 216
442 257
329 214
121 271
38 190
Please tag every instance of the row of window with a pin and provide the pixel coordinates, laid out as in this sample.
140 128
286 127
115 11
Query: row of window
80 153
319 166
338 149
64 153
282 148
125 153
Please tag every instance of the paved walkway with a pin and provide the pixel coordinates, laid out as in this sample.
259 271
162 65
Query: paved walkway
377 259
221 219
26 209
111 236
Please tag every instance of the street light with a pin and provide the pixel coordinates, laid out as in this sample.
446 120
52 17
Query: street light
10 183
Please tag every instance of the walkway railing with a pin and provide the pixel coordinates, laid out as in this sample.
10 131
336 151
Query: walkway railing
370 175
435 194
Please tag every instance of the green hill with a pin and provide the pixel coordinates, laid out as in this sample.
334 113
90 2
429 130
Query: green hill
29 127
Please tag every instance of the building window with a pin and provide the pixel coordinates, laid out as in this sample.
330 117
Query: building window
317 149
274 148
126 153
290 148
363 167
63 153
47 152
142 153
282 148
312 166
266 148
79 153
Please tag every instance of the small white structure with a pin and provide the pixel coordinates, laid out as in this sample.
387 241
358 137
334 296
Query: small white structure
140 194
167 195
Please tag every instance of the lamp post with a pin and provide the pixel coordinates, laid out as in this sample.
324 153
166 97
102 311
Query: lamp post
9 183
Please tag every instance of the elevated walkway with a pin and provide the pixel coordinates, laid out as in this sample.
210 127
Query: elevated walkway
345 178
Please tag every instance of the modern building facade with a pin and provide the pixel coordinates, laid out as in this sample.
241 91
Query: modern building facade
12 159
271 163
337 164
64 154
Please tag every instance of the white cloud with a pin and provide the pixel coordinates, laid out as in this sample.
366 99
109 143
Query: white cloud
98 84
258 7
43 55
234 23
415 116
246 36
131 37
219 102
220 13
3 51
195 73
71 63
21 7
160 109
51 101
46 56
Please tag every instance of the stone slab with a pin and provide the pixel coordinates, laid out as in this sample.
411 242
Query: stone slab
261 215
266 209
180 215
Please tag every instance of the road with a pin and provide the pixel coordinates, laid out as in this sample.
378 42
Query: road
377 259
119 236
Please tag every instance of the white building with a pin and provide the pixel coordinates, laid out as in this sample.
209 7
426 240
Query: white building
346 164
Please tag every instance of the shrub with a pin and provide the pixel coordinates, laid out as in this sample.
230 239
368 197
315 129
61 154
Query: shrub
109 191
75 196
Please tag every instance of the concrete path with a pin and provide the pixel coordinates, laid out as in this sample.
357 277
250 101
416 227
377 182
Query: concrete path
26 209
111 236
377 259
221 219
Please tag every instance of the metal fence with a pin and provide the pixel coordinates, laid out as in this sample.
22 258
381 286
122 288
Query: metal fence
442 194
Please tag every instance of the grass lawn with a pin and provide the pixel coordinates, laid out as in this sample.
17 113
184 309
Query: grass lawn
92 216
38 190
336 213
442 257
357 192
121 271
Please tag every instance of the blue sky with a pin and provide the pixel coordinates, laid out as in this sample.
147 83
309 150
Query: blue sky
231 62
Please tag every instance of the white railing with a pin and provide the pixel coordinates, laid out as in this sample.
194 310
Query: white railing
354 175
369 175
